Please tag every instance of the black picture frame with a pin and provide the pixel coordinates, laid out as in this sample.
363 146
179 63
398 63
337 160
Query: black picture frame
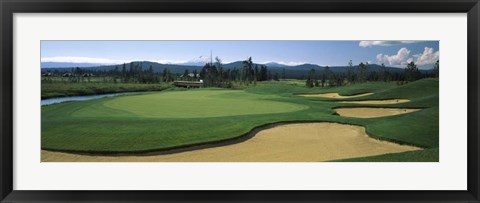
10 7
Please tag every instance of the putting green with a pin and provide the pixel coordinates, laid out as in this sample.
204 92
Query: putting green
190 104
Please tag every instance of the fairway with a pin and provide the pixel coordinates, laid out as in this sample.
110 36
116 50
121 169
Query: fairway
194 104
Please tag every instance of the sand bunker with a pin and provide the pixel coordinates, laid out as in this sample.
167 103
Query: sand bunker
386 101
306 142
366 112
335 95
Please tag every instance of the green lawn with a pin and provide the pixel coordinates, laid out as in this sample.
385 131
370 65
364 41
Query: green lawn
192 104
163 120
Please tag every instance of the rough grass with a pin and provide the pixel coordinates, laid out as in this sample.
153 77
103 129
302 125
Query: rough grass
116 129
427 155
65 89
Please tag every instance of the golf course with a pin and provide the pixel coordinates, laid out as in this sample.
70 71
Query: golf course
272 121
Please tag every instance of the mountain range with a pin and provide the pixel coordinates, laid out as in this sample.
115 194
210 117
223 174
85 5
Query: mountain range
293 71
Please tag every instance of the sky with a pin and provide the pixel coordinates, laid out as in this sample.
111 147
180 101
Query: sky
331 53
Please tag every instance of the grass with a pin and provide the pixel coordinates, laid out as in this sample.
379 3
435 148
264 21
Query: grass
427 155
194 104
171 119
55 88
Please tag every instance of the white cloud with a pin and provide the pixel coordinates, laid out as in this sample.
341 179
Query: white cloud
74 59
383 43
427 57
400 58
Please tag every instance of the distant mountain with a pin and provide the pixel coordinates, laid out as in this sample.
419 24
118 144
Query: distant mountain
298 71
157 67
68 65
273 64
425 67
238 64
192 63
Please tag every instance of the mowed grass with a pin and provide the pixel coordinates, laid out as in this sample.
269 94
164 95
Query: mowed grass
192 104
178 118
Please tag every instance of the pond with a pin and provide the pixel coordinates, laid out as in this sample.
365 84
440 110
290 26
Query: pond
79 98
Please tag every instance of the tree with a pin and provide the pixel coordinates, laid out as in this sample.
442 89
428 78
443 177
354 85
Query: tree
276 77
411 72
139 73
311 79
151 75
166 75
220 74
209 74
124 73
436 68
248 66
350 72
326 76
257 73
362 72
218 62
263 73
195 74
115 74
383 73
336 80
219 67
185 74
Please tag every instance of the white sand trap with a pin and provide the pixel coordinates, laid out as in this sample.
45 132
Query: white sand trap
306 142
366 112
386 101
335 95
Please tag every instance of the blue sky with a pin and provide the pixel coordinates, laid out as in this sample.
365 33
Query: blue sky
332 53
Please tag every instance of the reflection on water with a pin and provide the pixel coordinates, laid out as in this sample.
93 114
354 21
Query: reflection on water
79 98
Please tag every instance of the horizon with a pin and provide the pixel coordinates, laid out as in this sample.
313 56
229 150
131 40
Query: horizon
288 53
279 65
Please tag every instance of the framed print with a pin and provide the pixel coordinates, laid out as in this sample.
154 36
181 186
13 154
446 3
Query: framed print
255 101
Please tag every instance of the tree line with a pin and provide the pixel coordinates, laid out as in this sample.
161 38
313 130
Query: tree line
133 73
212 74
215 74
362 74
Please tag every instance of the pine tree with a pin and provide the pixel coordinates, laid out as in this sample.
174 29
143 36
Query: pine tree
436 68
411 72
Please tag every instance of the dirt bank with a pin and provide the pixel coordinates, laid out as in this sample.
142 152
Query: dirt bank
303 142
368 112
334 95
